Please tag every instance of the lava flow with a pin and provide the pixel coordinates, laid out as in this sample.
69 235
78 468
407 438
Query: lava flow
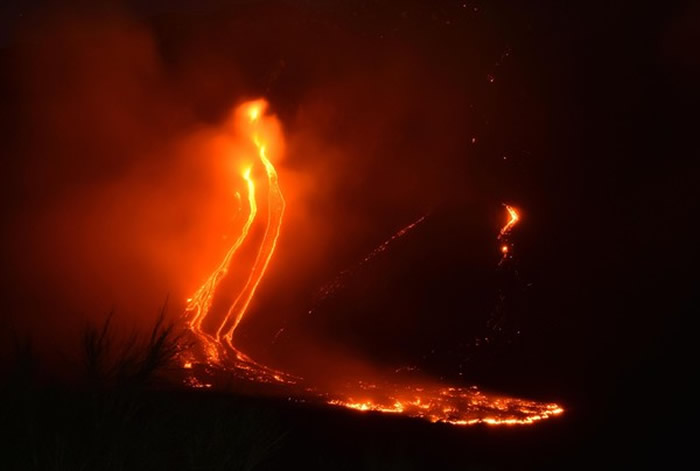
426 399
199 305
513 218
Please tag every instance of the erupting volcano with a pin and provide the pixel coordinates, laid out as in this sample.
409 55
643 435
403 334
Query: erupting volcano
216 309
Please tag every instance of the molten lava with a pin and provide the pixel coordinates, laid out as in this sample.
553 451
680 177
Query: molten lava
451 405
428 399
200 303
513 218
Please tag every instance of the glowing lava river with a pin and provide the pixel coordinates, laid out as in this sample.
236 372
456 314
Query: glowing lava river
213 326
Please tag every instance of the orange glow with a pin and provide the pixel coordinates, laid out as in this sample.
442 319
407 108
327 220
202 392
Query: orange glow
513 218
200 303
427 399
276 207
456 406
254 112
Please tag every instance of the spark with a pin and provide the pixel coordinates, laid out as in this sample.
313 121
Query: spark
330 288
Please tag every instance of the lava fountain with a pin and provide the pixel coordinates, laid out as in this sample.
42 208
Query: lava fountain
216 347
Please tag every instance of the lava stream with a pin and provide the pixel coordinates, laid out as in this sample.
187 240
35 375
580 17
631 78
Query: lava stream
200 303
513 218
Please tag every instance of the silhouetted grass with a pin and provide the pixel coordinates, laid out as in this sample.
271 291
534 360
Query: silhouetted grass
22 367
124 413
133 360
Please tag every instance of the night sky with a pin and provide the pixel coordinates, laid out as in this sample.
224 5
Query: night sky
583 115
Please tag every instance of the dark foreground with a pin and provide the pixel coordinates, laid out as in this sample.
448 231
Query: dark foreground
54 428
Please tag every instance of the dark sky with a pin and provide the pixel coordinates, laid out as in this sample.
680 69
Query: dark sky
582 114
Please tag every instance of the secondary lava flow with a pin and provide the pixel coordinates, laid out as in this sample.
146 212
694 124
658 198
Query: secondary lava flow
513 218
426 399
